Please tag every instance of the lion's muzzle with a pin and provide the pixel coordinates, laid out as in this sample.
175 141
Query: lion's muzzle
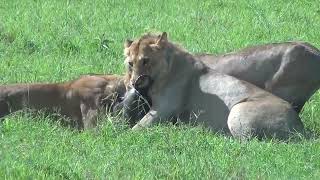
142 82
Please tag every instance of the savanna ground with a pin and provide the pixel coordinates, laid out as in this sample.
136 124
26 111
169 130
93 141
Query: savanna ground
53 41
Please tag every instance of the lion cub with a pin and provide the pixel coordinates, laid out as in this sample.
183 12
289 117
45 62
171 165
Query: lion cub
80 99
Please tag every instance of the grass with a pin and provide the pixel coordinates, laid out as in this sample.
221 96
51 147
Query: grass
51 41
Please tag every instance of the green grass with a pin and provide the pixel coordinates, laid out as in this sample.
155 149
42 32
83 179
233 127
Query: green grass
52 41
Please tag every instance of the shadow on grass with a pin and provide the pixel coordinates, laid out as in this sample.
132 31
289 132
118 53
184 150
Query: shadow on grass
115 126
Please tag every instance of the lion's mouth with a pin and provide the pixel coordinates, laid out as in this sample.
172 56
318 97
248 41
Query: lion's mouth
143 82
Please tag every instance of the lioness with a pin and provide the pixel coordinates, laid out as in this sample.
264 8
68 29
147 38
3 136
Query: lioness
80 99
288 70
183 86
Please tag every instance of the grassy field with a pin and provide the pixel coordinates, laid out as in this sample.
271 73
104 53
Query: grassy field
53 41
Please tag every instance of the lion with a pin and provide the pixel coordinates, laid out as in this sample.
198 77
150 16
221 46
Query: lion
289 70
80 100
184 87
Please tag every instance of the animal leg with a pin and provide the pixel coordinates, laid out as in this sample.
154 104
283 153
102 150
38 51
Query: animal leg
263 119
89 115
4 108
151 118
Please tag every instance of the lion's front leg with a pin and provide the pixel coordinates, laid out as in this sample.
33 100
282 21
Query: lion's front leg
89 111
164 106
151 118
155 115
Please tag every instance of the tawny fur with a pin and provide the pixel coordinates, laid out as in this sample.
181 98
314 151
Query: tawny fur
80 100
289 70
183 86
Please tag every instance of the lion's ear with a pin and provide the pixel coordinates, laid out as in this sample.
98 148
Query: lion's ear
162 39
128 43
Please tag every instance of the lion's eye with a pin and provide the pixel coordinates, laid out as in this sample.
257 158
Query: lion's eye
145 61
130 63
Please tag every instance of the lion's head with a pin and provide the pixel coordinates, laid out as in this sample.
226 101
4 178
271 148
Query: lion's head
146 57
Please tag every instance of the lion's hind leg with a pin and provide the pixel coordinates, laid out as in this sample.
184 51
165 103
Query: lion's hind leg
263 119
4 109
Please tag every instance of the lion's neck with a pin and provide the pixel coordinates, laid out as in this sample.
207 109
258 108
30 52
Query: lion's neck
184 65
182 68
